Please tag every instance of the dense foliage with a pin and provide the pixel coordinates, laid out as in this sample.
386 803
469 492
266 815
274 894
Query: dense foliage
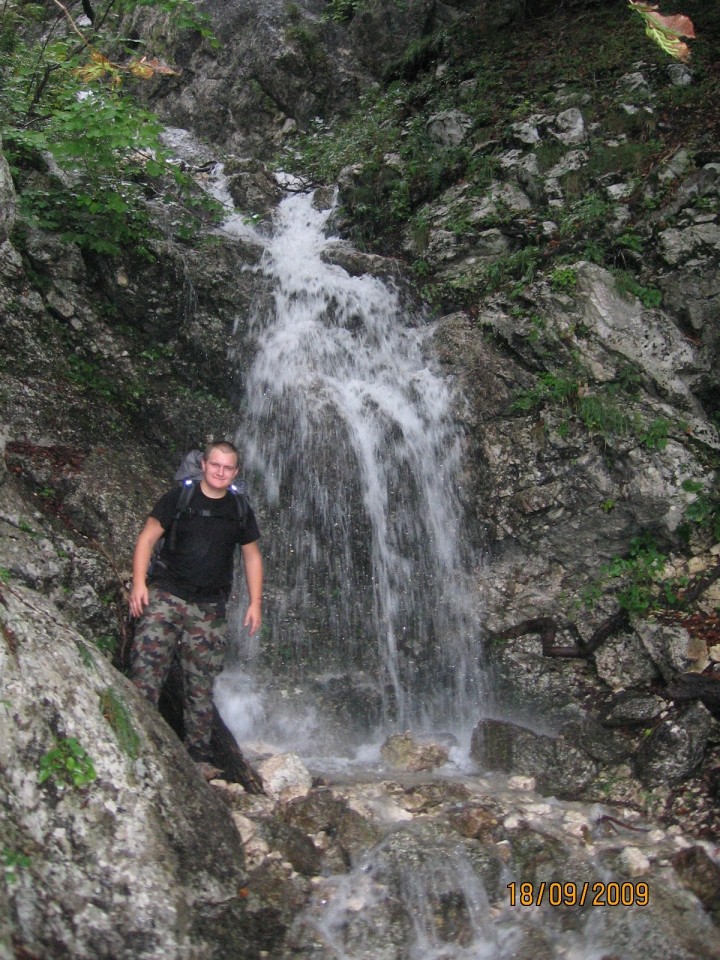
66 112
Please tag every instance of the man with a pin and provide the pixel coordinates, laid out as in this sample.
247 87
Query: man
184 606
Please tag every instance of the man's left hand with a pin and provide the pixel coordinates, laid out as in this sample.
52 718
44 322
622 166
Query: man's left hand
253 618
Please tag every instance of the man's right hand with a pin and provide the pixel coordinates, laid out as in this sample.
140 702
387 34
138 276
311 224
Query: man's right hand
149 536
139 599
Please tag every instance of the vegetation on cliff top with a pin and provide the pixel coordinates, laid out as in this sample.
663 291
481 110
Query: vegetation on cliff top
399 170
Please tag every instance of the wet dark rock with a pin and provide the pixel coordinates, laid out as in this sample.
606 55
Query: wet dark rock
424 858
274 897
252 187
675 748
426 796
322 812
632 709
403 752
478 821
706 689
603 745
559 766
227 754
701 875
358 263
536 855
294 845
352 698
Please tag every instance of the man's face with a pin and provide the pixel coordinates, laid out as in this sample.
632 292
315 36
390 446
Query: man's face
220 469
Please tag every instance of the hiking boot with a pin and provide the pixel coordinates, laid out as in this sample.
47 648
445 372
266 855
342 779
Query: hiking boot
207 770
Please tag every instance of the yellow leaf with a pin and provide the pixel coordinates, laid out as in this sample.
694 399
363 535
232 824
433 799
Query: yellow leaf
146 68
140 70
666 30
90 72
678 24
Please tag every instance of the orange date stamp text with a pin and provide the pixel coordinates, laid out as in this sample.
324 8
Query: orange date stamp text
598 893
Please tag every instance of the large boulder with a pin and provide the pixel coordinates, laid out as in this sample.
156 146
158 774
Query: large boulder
119 847
560 767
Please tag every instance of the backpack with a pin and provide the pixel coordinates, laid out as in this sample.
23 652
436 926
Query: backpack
188 476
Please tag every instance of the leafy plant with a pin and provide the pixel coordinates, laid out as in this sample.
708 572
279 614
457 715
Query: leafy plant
630 241
639 570
67 764
563 279
704 511
61 97
602 415
628 378
342 11
106 643
537 326
587 214
650 297
655 436
520 266
551 388
13 861
603 411
87 375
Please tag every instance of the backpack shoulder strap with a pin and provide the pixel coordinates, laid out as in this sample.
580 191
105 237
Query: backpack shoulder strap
189 486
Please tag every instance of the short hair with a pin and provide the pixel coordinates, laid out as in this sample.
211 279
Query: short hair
223 445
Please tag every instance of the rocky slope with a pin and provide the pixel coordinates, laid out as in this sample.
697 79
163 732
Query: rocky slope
567 235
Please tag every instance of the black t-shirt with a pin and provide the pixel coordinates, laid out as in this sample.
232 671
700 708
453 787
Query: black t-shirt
200 565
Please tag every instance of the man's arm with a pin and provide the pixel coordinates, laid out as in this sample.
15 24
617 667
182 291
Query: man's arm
252 562
149 536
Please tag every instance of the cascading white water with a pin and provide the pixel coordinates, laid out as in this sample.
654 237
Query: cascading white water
412 897
349 430
417 895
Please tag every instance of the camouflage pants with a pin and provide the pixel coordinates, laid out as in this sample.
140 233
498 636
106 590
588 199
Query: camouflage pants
198 633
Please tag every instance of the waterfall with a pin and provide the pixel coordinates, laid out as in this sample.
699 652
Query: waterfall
348 437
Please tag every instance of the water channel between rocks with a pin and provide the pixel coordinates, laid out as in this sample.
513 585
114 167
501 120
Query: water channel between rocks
353 460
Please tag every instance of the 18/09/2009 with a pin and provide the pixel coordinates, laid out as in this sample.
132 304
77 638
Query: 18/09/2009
597 894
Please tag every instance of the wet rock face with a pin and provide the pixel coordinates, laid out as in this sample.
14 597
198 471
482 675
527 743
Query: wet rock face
7 199
559 767
278 68
676 747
